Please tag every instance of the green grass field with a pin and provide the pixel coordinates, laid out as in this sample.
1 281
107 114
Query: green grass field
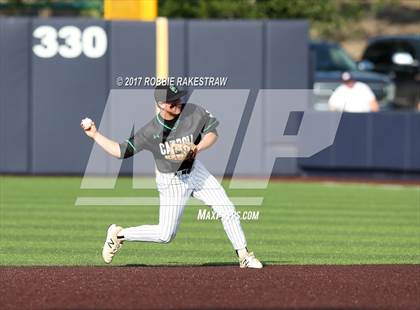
299 223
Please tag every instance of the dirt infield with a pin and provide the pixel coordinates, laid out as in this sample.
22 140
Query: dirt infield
212 287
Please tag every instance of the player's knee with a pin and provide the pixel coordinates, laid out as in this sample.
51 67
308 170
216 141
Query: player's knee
166 238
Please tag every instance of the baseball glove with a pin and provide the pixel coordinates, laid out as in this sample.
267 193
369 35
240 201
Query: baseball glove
182 151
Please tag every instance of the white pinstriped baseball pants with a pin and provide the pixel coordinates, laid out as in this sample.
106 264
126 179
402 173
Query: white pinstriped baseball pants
174 194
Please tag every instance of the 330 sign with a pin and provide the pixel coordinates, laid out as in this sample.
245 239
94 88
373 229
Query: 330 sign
70 41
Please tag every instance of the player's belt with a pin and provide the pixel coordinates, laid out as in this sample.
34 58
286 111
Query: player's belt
183 171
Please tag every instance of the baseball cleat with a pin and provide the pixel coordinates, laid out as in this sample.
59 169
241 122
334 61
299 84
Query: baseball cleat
250 261
112 244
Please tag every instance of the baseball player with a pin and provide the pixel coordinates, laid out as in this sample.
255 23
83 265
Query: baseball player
175 136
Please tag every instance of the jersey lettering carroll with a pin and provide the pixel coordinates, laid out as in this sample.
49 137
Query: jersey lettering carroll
158 134
165 148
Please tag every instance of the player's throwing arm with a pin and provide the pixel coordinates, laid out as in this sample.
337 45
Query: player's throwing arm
110 146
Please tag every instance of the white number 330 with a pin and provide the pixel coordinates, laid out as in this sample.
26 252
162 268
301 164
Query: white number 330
92 42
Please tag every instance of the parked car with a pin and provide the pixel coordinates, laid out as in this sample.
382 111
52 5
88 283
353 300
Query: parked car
399 57
329 61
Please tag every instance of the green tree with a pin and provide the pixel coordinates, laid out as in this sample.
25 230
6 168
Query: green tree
329 18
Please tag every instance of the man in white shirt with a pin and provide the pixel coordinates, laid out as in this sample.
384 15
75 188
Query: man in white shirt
353 96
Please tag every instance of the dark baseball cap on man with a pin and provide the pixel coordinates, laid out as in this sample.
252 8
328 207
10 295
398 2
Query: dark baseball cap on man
168 93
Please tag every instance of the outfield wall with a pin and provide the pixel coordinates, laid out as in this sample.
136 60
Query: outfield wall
47 84
52 76
371 144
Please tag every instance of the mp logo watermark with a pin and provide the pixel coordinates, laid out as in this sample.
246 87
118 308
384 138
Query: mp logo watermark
279 123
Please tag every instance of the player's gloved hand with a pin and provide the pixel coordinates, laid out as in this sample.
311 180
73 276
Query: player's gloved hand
182 151
88 127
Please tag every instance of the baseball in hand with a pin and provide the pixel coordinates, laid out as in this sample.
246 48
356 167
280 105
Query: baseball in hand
86 123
